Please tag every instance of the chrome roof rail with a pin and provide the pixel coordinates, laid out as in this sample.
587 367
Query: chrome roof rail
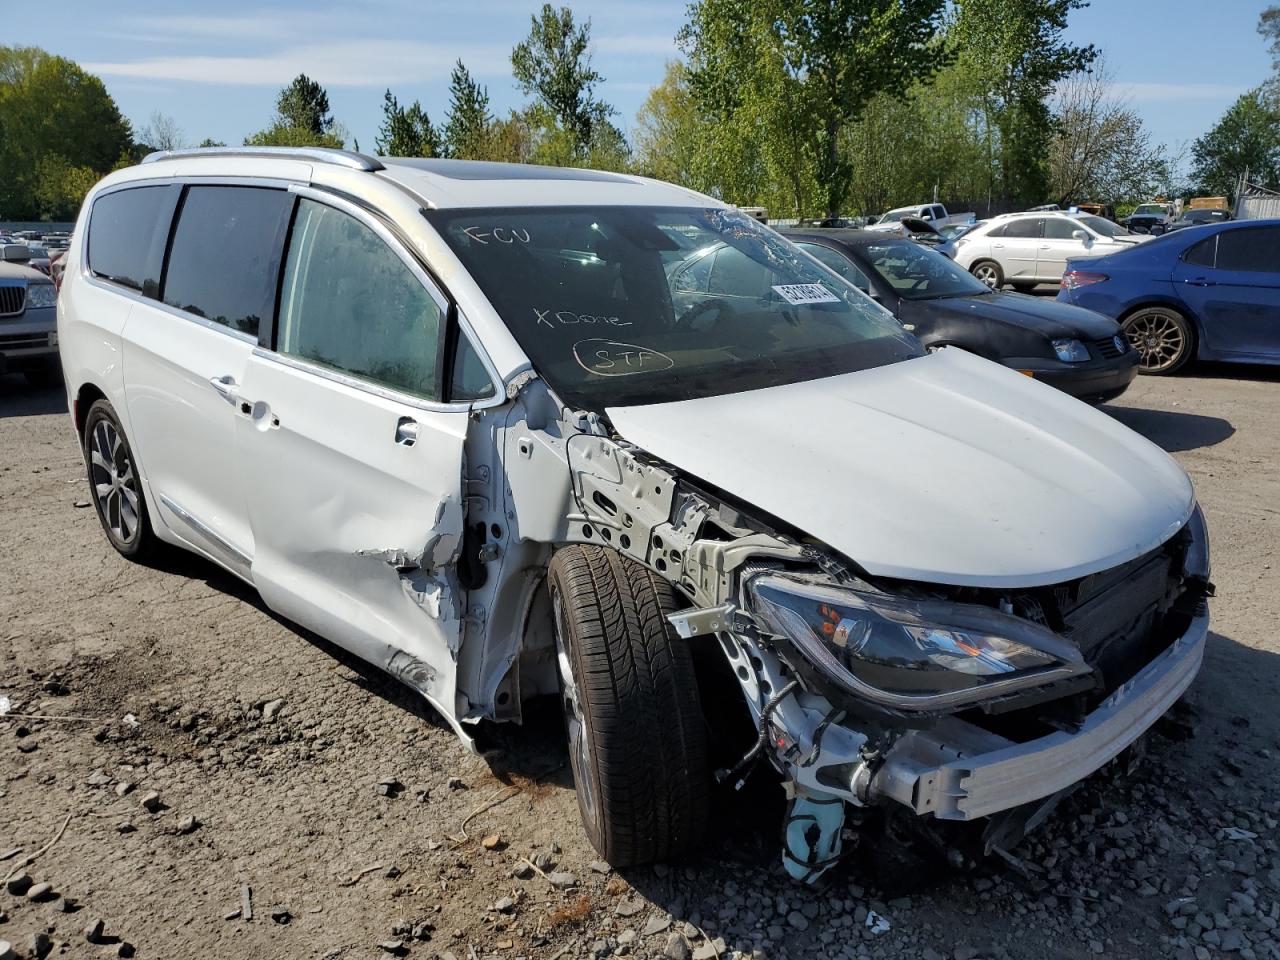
342 158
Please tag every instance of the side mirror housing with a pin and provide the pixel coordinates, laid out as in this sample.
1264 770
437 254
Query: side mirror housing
1080 235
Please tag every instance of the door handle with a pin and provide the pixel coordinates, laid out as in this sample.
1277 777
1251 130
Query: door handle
1045 246
407 432
227 387
997 246
1202 282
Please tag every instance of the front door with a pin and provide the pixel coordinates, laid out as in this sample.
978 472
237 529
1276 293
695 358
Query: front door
1017 248
186 357
1235 294
1056 245
353 466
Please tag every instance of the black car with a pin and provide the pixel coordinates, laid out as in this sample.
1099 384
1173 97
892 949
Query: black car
1198 218
1076 350
1153 218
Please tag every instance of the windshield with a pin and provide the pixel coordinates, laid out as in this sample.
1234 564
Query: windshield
893 216
1103 227
631 305
1150 208
918 273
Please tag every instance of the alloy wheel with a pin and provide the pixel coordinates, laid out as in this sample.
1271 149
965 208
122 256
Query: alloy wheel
1158 338
988 274
115 486
580 757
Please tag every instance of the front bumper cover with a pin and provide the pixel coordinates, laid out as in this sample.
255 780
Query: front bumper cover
957 771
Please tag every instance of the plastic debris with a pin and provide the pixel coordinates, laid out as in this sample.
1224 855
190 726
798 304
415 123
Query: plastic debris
876 923
1235 833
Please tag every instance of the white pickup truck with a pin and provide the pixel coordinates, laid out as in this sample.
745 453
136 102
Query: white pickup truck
933 213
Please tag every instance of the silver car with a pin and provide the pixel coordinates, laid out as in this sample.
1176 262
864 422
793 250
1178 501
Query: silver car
28 318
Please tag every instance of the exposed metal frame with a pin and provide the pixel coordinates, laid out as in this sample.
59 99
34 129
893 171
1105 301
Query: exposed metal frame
341 158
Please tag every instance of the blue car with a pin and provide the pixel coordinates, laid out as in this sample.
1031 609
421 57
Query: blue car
1210 292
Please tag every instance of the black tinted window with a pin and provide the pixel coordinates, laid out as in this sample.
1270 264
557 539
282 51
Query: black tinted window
226 255
1203 253
470 380
1256 250
1025 228
127 231
1057 228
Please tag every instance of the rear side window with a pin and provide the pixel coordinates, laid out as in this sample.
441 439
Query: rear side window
1253 250
226 255
351 304
127 233
1203 254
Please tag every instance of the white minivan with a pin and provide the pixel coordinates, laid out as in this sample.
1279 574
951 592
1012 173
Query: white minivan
478 424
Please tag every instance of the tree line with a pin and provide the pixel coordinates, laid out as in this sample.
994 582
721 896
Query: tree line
839 107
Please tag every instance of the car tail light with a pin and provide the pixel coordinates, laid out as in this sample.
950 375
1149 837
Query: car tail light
1075 279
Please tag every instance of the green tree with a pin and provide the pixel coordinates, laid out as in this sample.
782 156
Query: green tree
799 73
468 126
59 131
210 142
1245 140
1269 27
1017 51
666 130
406 132
553 65
302 119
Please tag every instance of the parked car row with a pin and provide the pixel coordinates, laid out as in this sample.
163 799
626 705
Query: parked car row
28 331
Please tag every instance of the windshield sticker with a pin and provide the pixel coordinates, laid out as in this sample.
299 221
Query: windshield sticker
506 235
608 358
799 293
567 318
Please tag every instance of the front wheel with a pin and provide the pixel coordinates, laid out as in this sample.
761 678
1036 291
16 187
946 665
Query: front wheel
1162 337
989 272
114 484
637 743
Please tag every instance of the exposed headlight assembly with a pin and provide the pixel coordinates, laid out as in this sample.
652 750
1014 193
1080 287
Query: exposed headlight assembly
910 654
41 295
1197 563
1071 351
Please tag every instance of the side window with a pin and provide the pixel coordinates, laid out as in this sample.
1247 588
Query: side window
225 255
938 213
1025 228
351 304
469 381
1060 228
840 264
695 277
1202 254
734 274
127 233
1252 250
997 232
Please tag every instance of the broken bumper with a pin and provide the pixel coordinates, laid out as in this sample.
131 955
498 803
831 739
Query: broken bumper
957 771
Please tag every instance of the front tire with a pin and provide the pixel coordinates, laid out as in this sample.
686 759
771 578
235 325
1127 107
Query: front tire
989 272
1162 336
114 486
637 743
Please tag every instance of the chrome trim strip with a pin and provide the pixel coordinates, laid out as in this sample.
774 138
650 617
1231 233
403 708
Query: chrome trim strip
355 383
340 158
233 552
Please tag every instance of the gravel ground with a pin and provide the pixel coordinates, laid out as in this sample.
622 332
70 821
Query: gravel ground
204 752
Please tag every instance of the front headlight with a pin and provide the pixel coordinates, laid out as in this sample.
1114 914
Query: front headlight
41 295
910 654
1071 351
1196 562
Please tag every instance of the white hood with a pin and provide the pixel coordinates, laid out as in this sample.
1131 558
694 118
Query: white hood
947 469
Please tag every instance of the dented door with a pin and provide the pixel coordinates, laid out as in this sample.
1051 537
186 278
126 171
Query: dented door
353 472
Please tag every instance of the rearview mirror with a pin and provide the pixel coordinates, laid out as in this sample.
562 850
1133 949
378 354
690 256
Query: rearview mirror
16 253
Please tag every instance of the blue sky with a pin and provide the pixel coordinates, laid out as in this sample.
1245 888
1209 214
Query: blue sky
217 68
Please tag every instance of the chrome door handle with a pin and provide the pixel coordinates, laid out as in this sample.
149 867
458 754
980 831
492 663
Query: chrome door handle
407 432
227 387
1202 282
1045 246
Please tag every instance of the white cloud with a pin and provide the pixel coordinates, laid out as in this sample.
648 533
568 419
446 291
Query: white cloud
353 63
1180 91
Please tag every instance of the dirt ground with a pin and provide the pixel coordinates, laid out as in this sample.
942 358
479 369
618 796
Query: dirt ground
267 748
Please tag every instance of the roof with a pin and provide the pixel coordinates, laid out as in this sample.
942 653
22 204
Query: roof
478 183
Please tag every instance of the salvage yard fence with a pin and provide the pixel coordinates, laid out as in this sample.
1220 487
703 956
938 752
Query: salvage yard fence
1254 202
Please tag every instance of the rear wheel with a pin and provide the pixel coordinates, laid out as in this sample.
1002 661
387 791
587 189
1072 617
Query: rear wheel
637 743
114 485
1162 337
989 272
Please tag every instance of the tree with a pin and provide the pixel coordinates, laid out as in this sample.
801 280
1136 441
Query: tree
800 73
302 119
468 126
553 65
1245 140
1100 150
162 133
406 132
210 142
1017 49
59 131
666 129
1269 27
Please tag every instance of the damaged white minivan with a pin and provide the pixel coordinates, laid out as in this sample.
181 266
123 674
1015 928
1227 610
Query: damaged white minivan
507 431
